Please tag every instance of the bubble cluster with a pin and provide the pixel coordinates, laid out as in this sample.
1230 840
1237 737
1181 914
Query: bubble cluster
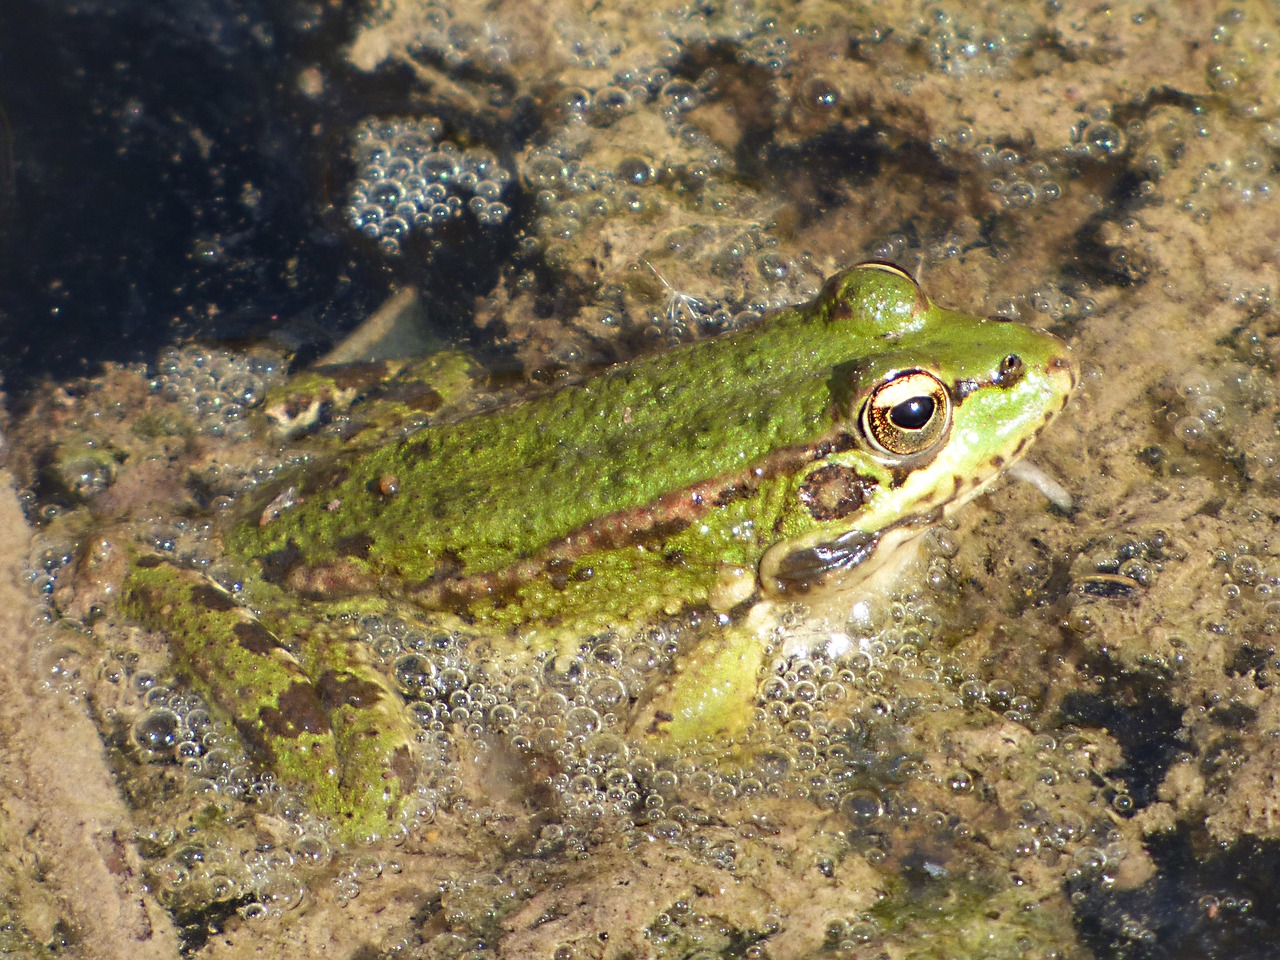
848 735
756 37
691 220
1015 181
1051 302
899 248
1182 154
1118 563
266 881
955 46
445 35
48 558
1251 578
218 387
571 710
1230 182
1241 66
409 180
1213 412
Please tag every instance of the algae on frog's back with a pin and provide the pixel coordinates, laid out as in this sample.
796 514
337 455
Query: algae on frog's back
701 450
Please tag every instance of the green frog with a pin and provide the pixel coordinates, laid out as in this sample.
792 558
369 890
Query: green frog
713 482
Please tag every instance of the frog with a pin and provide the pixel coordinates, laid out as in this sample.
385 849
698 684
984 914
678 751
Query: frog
714 482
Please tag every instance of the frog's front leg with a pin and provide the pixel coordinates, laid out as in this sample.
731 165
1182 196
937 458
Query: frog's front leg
332 731
711 693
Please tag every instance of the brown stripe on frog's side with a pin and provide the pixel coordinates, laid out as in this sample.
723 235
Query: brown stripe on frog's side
449 588
676 511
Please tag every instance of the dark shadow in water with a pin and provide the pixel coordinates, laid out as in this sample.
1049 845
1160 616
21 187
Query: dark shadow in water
1136 709
169 180
1205 903
157 191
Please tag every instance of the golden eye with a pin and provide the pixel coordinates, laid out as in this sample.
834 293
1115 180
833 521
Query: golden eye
907 415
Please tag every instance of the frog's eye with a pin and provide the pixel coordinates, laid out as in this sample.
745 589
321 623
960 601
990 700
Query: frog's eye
907 415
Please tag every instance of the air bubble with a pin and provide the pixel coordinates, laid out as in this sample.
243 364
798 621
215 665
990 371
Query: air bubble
861 806
1103 140
680 95
1190 430
158 732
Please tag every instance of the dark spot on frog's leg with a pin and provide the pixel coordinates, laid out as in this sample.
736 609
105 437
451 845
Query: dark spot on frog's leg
298 711
357 545
339 688
149 562
834 492
403 767
211 598
254 737
277 564
255 638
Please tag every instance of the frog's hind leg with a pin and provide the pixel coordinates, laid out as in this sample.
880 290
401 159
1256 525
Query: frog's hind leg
313 734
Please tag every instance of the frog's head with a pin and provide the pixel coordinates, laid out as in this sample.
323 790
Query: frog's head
925 419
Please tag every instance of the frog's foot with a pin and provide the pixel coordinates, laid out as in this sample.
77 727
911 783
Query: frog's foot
711 694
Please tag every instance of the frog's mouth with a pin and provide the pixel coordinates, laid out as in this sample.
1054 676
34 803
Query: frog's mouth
788 571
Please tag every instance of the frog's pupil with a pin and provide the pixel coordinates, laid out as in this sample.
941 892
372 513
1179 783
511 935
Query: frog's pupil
913 414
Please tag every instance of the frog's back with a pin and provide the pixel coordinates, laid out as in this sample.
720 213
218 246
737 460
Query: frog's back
713 439
483 493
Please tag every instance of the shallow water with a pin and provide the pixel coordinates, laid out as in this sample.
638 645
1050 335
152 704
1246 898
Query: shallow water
1055 741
